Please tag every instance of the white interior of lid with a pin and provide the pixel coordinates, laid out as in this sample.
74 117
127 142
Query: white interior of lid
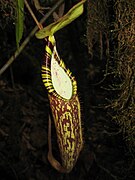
60 80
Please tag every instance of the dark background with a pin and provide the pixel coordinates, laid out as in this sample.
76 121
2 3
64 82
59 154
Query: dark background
24 105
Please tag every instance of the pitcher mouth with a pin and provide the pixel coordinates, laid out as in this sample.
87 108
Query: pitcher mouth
60 79
56 77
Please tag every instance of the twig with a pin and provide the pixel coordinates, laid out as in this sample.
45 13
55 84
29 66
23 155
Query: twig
25 42
32 14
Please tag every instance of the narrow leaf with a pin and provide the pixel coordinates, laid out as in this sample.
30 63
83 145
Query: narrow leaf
19 20
71 15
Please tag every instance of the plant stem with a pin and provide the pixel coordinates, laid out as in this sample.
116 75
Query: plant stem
32 14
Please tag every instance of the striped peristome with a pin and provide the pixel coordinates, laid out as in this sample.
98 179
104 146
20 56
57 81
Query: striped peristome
46 66
65 105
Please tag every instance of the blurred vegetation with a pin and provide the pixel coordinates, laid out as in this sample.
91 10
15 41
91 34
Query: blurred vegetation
124 57
114 32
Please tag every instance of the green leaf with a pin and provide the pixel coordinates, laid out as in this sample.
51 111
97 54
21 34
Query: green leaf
19 20
71 15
